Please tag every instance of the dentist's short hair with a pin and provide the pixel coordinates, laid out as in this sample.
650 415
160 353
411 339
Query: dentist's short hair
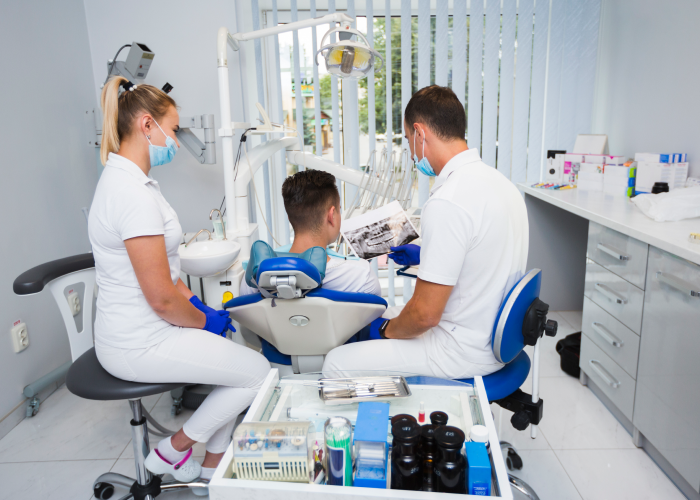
440 110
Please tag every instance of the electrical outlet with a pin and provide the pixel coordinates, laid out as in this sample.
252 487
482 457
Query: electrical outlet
74 302
20 336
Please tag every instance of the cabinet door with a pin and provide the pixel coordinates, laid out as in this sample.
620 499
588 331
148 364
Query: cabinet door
667 402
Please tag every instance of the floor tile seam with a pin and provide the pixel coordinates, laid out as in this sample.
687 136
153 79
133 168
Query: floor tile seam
573 327
59 461
556 455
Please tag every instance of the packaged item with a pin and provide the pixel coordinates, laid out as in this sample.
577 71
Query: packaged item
661 157
338 435
274 451
676 205
570 166
650 173
406 470
553 170
605 159
619 180
450 467
590 180
371 448
478 469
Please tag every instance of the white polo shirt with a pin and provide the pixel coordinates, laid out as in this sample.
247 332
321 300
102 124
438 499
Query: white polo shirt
475 238
128 204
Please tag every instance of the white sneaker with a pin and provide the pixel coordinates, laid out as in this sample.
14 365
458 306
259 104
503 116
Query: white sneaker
185 471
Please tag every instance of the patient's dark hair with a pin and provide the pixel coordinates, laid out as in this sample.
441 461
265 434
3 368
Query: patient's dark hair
440 109
307 197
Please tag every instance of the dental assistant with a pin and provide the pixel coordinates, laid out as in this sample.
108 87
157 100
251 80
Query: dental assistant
149 326
474 232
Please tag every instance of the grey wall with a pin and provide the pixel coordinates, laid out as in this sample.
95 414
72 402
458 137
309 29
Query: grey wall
48 173
182 34
647 83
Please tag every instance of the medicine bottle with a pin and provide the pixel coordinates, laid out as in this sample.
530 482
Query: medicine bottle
428 456
438 418
449 470
406 470
396 419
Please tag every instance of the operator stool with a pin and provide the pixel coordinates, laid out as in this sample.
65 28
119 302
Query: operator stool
87 379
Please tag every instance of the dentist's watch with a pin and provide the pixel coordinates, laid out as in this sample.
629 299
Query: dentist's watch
382 329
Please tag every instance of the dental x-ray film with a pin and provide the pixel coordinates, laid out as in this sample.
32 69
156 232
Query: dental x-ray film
373 233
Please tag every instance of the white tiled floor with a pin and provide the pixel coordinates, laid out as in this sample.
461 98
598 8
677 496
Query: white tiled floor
581 451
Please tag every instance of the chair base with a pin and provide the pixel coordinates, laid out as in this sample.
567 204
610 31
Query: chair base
111 479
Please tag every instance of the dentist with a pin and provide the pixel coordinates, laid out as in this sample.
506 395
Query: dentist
474 231
149 326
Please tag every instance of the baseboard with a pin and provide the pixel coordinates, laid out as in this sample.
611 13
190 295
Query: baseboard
19 412
684 486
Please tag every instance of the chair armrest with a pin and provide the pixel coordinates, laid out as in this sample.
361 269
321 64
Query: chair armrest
34 280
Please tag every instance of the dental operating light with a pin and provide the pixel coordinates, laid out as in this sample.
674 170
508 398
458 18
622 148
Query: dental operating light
348 58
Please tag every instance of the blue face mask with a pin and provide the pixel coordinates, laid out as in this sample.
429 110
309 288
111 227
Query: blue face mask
160 155
423 165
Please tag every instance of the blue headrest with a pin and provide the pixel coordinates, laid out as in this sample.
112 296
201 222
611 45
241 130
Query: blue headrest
507 340
289 264
261 251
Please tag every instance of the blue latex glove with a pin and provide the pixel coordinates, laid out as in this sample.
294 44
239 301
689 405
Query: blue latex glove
374 328
218 322
209 310
406 255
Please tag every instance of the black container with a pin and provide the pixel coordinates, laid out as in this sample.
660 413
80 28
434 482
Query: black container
428 456
406 470
402 417
450 467
659 187
438 418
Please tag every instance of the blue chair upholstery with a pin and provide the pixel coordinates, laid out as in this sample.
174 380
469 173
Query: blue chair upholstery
507 380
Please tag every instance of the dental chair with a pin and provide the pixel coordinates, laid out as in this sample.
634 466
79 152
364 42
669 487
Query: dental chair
297 321
521 320
87 379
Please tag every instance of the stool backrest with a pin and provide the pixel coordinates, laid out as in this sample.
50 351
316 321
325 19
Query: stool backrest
507 340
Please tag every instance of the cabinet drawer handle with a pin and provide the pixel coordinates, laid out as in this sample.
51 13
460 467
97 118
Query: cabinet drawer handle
607 378
612 252
609 294
677 283
607 335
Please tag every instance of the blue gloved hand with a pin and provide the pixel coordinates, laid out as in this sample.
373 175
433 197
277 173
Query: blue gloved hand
374 327
406 255
200 305
218 322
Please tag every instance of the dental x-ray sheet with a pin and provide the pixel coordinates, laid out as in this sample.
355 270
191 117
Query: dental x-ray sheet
373 233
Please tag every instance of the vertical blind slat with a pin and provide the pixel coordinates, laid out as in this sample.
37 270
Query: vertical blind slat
261 99
459 49
588 55
539 64
387 20
476 39
334 101
505 108
554 69
371 116
567 99
441 41
281 163
521 104
491 64
423 78
317 89
406 61
297 81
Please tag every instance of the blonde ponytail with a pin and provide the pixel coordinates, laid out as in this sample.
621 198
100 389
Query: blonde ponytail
120 112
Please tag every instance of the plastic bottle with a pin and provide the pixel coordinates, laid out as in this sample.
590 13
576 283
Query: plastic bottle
406 470
449 470
428 456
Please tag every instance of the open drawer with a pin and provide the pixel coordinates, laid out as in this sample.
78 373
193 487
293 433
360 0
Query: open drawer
290 399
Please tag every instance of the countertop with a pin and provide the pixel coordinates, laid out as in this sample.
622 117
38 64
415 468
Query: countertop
622 215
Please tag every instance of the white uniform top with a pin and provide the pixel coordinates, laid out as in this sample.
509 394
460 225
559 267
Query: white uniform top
475 238
342 275
128 204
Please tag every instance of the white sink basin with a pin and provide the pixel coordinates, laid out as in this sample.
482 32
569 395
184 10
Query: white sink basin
208 258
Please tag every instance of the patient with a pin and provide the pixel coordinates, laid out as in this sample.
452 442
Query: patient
312 203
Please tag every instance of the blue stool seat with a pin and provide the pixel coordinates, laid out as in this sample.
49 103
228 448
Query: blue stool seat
507 380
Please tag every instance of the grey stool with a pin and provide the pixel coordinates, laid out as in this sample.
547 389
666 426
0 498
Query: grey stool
87 379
